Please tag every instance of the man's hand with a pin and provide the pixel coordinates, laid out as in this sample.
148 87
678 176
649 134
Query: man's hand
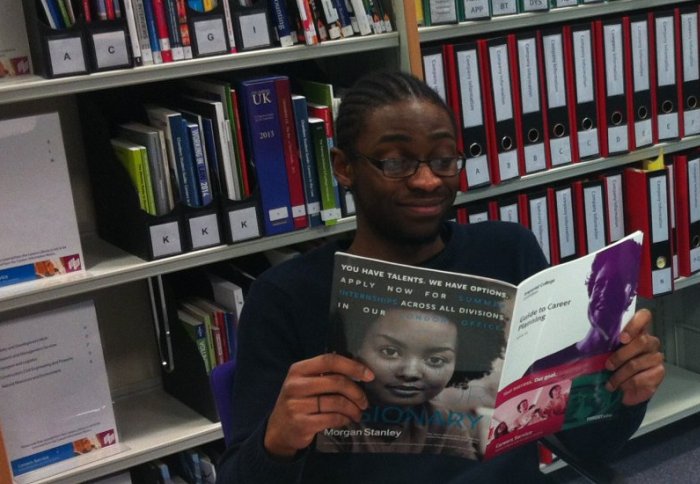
638 363
318 393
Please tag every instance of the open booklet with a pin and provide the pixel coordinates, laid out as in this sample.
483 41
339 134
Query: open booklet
471 366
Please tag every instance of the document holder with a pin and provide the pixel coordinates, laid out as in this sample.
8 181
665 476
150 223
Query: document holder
56 52
252 26
209 32
108 44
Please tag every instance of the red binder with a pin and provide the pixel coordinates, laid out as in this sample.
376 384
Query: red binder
470 86
590 215
647 209
557 115
529 86
666 73
500 100
690 85
687 205
612 87
581 79
642 96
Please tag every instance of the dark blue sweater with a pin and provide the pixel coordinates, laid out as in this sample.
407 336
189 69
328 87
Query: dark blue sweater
285 319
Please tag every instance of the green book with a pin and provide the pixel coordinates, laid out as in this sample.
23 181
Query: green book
202 316
197 331
134 158
330 207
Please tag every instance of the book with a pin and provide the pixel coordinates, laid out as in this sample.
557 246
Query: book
52 420
197 144
134 158
197 331
330 207
261 120
471 366
37 202
309 172
150 137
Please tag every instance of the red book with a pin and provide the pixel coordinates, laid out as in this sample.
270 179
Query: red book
245 175
291 152
162 29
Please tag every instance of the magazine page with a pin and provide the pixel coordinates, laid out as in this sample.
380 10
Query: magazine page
566 322
435 342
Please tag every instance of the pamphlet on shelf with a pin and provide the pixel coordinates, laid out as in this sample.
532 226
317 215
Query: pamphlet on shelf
510 364
57 410
36 201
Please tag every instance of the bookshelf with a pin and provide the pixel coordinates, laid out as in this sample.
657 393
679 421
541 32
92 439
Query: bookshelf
153 424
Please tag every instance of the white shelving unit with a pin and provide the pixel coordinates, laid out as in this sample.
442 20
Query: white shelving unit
153 424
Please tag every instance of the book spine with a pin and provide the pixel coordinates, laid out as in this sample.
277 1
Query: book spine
228 20
202 176
307 22
346 29
237 128
148 180
109 7
171 17
141 28
330 16
361 17
161 24
308 163
330 211
261 115
280 19
318 21
133 33
186 170
185 37
152 31
291 153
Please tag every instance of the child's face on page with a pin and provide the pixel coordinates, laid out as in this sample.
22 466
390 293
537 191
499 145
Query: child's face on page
412 355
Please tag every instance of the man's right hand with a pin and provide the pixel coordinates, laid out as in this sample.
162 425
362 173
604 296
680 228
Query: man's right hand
317 394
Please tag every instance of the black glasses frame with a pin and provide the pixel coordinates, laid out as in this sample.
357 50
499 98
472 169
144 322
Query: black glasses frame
380 165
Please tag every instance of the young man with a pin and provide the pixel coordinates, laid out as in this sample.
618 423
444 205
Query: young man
396 150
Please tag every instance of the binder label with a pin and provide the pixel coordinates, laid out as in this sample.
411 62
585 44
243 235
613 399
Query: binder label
668 125
509 213
689 31
662 280
642 133
665 60
477 171
504 7
614 77
588 143
443 11
658 204
535 158
478 217
474 9
640 56
67 56
500 76
539 223
583 64
595 220
210 36
508 164
566 3
435 74
561 150
470 90
244 224
254 31
204 231
165 239
616 215
554 71
617 138
565 223
110 49
529 78
691 122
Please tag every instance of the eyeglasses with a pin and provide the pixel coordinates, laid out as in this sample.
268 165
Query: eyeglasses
405 167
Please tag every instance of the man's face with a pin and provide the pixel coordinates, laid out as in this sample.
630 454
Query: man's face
610 296
407 210
412 355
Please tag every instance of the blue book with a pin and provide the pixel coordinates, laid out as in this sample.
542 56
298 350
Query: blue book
280 19
189 192
261 122
202 172
152 31
210 148
309 172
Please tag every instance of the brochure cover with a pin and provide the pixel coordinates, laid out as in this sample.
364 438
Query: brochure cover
471 366
14 45
56 410
40 237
